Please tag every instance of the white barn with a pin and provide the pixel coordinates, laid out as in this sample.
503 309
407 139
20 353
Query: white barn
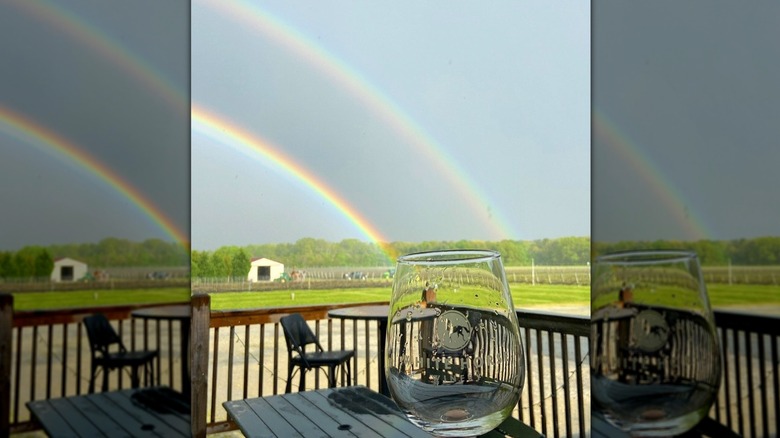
68 269
263 269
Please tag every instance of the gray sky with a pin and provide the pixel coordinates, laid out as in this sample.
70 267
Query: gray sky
110 81
686 105
429 122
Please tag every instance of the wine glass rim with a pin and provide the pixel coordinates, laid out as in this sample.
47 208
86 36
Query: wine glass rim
647 256
449 256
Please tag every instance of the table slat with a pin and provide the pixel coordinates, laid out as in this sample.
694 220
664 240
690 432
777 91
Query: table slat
378 411
143 419
247 419
86 408
110 414
277 423
308 416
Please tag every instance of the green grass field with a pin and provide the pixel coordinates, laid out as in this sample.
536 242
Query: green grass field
97 298
523 295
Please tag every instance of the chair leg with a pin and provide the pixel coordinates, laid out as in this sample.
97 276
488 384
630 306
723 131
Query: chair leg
331 376
288 387
134 380
105 378
302 385
92 380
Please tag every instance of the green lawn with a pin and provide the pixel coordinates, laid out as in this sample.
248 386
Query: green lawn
523 295
97 298
742 294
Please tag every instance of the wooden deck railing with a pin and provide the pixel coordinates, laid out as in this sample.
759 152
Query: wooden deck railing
46 354
243 354
749 398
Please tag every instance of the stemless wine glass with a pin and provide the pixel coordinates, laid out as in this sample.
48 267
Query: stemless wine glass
655 362
454 358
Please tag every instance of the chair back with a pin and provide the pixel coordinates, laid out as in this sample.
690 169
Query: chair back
298 335
101 334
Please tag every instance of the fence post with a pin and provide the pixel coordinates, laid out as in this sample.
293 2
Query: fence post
199 364
6 338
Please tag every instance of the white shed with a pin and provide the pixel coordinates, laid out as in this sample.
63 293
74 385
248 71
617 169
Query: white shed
263 269
67 269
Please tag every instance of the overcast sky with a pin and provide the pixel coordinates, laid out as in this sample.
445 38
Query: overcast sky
686 105
108 80
429 121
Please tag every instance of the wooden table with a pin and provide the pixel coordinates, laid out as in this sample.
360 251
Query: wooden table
337 412
157 411
176 312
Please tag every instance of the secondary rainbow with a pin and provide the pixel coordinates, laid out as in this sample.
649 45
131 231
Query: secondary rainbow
28 131
256 147
605 130
76 28
261 20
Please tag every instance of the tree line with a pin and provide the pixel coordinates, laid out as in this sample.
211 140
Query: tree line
38 261
351 252
742 252
233 261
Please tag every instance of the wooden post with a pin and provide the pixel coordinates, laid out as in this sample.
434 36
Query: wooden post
6 339
199 363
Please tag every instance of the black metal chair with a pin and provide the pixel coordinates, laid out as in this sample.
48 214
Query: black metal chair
101 338
298 335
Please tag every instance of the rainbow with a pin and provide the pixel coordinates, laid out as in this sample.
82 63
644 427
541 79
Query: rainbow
349 79
79 30
608 132
255 147
27 131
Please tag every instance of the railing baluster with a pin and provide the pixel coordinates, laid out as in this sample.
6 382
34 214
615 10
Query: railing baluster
18 370
34 362
247 342
580 390
553 383
368 355
529 377
354 347
171 369
231 343
6 348
261 365
749 367
78 357
776 382
64 377
763 385
738 378
542 401
566 385
214 383
727 388
49 346
276 358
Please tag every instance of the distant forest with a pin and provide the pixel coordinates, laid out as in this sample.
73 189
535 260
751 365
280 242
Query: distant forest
231 261
311 252
37 261
759 251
